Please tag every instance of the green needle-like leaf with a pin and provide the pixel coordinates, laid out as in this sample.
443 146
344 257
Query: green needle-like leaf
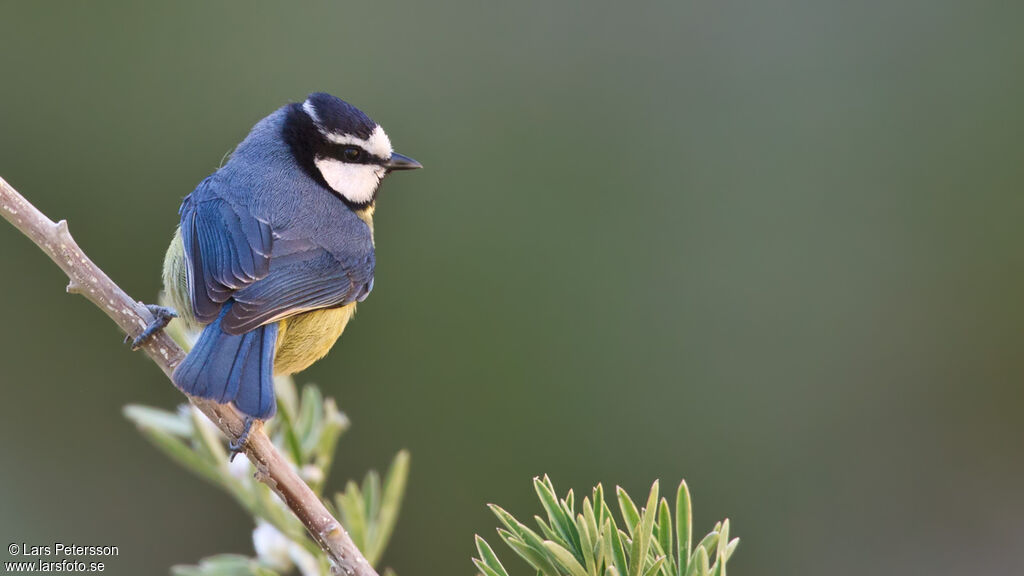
353 513
655 567
723 543
489 558
335 423
156 419
642 535
731 548
617 550
587 545
599 506
390 503
546 530
708 543
291 438
287 396
699 563
371 502
224 565
630 515
183 454
591 550
210 440
485 569
527 536
560 522
538 558
565 558
310 419
664 529
684 527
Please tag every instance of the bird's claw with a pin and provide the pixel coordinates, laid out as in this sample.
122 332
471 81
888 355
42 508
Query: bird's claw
161 317
236 445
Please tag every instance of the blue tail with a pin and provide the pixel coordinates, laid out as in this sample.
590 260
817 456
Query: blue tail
232 368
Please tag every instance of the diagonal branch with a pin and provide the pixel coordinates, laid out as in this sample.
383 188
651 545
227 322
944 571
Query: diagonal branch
272 469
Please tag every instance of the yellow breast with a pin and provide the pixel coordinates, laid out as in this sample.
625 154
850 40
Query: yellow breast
305 338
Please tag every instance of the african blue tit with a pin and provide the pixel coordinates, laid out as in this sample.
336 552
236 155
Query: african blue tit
275 248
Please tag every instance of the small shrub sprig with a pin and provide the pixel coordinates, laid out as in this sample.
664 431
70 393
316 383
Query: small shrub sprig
589 542
306 430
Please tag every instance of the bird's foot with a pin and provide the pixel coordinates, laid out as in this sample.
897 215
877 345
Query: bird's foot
236 445
161 317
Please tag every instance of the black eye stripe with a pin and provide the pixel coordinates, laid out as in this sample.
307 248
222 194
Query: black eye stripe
338 151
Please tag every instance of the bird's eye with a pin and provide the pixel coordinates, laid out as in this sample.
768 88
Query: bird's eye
351 154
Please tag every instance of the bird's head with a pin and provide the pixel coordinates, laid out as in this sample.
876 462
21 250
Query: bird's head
342 148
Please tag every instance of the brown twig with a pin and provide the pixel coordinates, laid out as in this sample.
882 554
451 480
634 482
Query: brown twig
271 468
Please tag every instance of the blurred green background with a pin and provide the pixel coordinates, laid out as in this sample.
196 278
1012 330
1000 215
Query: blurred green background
772 247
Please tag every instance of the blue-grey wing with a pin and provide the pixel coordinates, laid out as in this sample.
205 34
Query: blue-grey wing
226 249
304 280
232 255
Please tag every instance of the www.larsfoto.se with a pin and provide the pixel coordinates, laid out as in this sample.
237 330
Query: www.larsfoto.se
64 565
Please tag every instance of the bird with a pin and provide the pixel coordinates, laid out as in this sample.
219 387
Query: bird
274 250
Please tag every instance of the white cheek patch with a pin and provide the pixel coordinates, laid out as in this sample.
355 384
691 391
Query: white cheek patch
377 144
356 182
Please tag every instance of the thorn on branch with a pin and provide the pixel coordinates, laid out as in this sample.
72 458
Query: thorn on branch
262 474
